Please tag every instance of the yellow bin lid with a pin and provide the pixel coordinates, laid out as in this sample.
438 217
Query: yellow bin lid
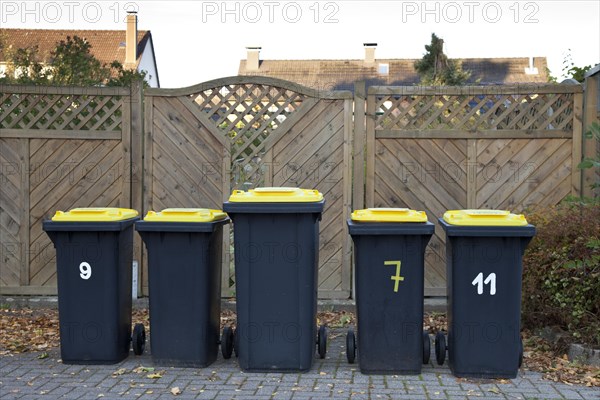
276 195
389 215
185 215
484 218
95 214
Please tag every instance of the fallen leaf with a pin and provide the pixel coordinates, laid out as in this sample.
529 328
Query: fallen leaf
42 356
175 391
119 372
141 369
155 375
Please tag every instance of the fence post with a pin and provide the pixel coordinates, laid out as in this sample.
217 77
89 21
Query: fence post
591 113
358 192
576 189
136 167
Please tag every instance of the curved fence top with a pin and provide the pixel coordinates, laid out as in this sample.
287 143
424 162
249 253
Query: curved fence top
257 80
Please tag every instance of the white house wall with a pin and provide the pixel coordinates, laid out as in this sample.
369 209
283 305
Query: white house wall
148 64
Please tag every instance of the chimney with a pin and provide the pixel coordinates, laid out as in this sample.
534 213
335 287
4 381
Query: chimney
253 59
532 70
370 52
131 39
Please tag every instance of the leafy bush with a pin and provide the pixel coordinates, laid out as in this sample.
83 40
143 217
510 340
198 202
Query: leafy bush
561 276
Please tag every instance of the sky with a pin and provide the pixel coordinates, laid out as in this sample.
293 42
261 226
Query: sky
195 41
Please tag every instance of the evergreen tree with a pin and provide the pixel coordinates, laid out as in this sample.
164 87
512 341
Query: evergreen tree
435 68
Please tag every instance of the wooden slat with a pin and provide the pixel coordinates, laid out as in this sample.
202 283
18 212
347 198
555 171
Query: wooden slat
55 134
346 283
370 147
24 203
28 290
135 171
479 134
591 147
577 145
125 106
225 173
358 187
12 225
474 90
240 80
65 90
471 173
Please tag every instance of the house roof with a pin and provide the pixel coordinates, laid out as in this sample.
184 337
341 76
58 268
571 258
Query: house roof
107 46
341 74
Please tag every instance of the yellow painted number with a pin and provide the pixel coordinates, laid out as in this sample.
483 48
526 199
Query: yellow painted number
396 278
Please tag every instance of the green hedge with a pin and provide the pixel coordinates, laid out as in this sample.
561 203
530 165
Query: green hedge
561 271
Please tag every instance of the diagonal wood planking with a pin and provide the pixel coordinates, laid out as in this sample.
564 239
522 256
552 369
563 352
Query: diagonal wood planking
11 221
186 159
310 155
79 173
423 174
518 174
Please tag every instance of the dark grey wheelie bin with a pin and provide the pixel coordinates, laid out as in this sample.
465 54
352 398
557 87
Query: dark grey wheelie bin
484 250
276 236
389 253
184 277
94 252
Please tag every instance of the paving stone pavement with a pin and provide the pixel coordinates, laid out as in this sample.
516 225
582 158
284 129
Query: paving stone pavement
25 376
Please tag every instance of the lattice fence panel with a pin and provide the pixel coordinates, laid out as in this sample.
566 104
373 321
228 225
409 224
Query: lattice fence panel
475 112
247 114
61 112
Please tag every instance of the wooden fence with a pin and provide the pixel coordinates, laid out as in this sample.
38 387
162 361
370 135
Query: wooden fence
437 149
242 132
59 148
425 148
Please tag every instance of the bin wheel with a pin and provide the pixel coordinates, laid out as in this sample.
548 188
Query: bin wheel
350 346
227 342
440 348
520 352
426 347
322 341
138 339
236 341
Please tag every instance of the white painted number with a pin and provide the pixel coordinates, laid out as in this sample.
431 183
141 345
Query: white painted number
85 270
491 280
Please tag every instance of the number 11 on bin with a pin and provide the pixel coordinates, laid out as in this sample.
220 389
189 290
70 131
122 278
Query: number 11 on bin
479 282
396 278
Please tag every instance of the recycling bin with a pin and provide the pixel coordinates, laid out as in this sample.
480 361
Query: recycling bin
184 278
94 252
484 250
389 254
276 237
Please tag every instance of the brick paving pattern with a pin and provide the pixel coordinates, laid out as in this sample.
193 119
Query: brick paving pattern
25 376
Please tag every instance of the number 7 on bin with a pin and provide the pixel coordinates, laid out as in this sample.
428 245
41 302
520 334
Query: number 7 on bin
396 278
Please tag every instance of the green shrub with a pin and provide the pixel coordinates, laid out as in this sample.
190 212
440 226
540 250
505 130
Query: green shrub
561 271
